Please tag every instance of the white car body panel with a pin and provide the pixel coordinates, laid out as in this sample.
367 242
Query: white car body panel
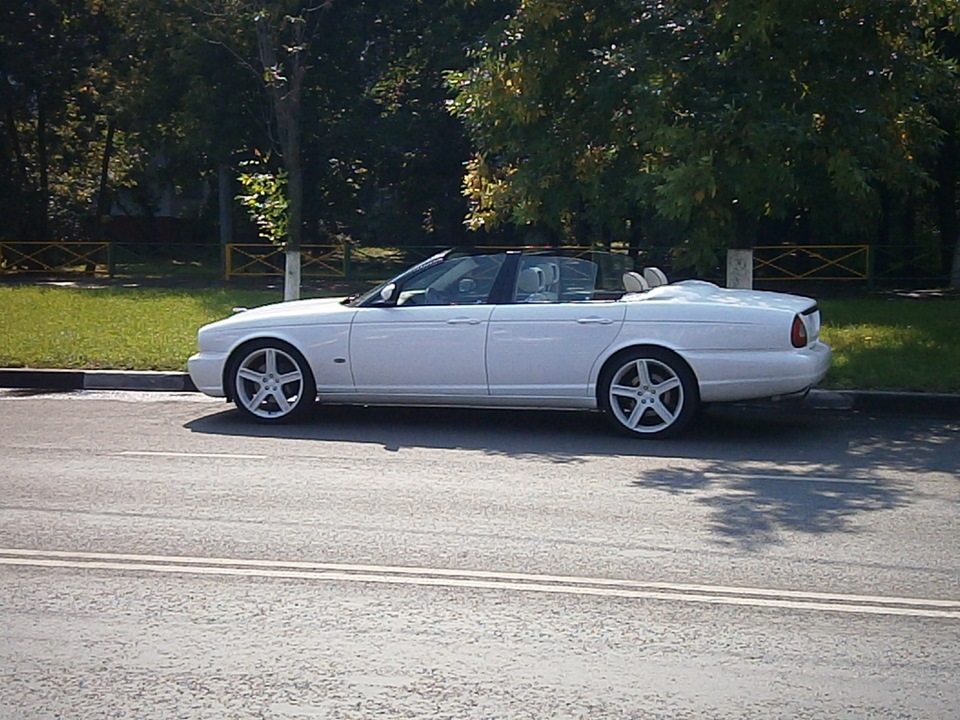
542 350
425 350
730 376
732 346
319 328
527 354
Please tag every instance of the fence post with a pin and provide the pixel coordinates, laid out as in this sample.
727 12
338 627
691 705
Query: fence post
226 256
111 259
871 268
347 261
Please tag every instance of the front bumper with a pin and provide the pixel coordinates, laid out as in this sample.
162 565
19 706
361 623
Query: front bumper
206 371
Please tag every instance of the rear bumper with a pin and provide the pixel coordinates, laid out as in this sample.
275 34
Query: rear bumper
755 375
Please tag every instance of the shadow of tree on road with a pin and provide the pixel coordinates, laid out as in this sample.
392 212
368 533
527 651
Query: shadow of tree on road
755 468
751 510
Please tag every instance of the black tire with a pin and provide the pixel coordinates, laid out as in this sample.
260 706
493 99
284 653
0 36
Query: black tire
648 392
271 382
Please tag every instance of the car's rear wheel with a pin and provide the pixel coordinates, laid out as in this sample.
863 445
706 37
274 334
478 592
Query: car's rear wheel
648 392
272 383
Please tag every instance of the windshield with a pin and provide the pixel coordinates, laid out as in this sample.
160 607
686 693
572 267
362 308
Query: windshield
374 292
456 276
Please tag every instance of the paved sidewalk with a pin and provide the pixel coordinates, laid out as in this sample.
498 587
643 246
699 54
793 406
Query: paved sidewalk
826 400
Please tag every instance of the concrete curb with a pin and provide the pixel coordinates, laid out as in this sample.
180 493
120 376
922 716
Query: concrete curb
903 403
881 402
27 378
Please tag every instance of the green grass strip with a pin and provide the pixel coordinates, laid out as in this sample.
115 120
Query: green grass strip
894 344
109 328
878 343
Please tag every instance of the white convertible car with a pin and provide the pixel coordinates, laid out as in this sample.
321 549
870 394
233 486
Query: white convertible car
520 329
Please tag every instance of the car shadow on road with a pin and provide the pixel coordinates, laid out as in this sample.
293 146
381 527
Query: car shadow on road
760 470
844 441
554 436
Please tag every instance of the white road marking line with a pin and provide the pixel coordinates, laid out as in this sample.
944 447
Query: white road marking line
441 577
205 456
790 478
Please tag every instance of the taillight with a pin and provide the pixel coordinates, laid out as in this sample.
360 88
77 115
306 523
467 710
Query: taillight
798 333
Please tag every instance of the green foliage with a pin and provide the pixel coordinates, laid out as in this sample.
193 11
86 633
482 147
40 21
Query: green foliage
698 125
714 117
387 154
59 82
266 200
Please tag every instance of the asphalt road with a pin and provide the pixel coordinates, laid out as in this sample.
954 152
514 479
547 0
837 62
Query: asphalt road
160 558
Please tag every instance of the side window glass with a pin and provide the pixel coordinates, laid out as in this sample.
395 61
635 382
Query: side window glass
578 279
611 267
458 281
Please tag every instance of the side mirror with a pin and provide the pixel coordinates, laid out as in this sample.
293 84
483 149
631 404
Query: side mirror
387 293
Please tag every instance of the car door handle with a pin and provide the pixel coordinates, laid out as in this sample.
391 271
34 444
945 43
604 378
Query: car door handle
594 321
463 321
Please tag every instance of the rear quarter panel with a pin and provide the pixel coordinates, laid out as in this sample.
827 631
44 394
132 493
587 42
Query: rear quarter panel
737 344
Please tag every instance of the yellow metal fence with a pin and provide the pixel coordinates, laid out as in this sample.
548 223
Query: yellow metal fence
780 263
47 257
812 262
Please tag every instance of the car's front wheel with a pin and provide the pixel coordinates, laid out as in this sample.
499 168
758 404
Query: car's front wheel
648 392
272 383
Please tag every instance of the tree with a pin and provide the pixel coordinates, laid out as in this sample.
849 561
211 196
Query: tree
56 80
941 23
284 32
716 118
384 159
188 108
104 96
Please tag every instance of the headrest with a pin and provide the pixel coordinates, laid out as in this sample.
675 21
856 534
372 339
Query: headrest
654 276
634 282
530 280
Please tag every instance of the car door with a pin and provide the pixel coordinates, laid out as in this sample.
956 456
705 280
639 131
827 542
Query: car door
545 343
432 342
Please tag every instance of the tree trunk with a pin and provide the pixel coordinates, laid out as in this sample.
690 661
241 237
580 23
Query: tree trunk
291 289
43 218
740 268
740 252
225 209
103 197
945 195
635 239
285 96
955 270
291 275
23 173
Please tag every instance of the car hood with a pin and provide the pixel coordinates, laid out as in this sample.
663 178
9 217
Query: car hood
295 312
